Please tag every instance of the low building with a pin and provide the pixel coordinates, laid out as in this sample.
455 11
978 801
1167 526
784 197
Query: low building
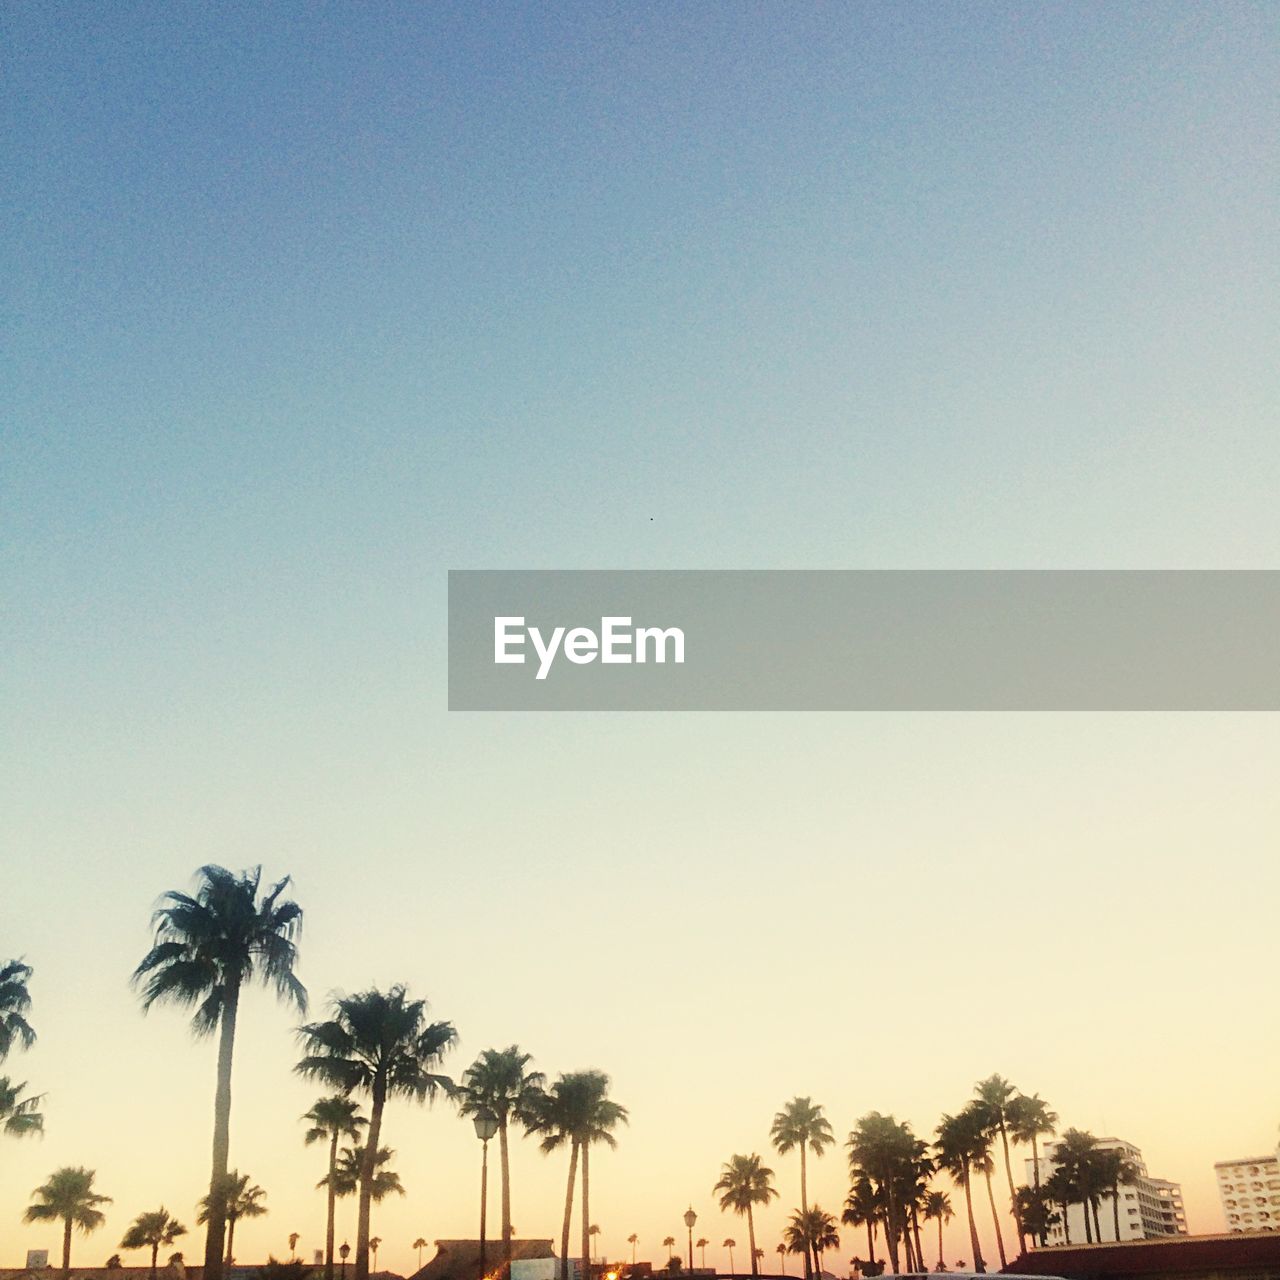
460 1259
1236 1256
1250 1193
1149 1207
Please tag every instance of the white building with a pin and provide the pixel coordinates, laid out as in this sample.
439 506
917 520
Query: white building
1149 1207
1250 1193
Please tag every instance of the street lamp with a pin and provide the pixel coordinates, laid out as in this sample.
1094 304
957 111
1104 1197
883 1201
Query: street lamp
343 1250
486 1126
689 1219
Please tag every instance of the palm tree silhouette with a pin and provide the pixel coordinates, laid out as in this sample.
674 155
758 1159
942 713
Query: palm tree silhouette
745 1183
937 1205
801 1124
208 945
1030 1119
669 1244
811 1231
330 1120
862 1208
294 1237
347 1175
241 1200
594 1231
419 1244
701 1244
498 1082
782 1258
381 1043
68 1197
631 1240
995 1096
731 1244
150 1231
890 1156
19 1117
15 1001
959 1141
374 1244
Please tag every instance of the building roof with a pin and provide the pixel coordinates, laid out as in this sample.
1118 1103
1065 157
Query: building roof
460 1259
1255 1252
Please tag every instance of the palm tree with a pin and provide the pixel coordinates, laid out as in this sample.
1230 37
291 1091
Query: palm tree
995 1097
577 1111
294 1237
208 946
958 1141
811 1231
862 1208
782 1258
1058 1190
801 1124
1030 1120
19 1117
592 1232
374 1244
332 1119
1077 1153
984 1132
150 1231
68 1197
745 1183
888 1155
729 1244
669 1244
1115 1169
381 1043
632 1240
937 1205
15 1001
701 1245
1035 1211
347 1173
419 1244
240 1199
499 1082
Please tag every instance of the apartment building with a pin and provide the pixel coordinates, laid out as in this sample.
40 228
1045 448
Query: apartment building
1250 1193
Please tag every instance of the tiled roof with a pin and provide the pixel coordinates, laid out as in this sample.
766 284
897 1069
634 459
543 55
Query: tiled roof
460 1259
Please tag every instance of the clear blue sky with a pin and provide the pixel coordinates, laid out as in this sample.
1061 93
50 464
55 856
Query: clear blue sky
304 305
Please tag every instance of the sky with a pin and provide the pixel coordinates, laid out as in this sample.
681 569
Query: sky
305 306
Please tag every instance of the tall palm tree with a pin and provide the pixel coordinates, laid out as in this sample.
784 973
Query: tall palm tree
375 1243
862 1208
983 1130
330 1120
937 1206
208 946
150 1231
346 1176
1035 1210
578 1112
19 1117
995 1096
745 1183
782 1258
1059 1190
1077 1154
958 1140
15 1001
380 1043
633 1240
68 1197
802 1124
888 1154
1114 1170
811 1231
294 1237
730 1244
419 1244
669 1244
701 1245
499 1082
240 1199
592 1232
1030 1119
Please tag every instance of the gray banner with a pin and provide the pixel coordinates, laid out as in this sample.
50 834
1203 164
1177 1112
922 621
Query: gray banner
833 640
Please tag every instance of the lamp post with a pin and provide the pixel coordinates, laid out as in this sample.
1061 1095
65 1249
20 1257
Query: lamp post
343 1250
486 1126
689 1219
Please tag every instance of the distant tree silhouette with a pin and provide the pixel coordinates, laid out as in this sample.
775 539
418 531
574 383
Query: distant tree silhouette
150 1231
68 1197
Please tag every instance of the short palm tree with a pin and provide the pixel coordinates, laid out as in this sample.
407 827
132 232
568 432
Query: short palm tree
782 1258
346 1176
241 1199
632 1240
669 1244
375 1243
150 1231
811 1232
1030 1119
862 1208
19 1117
802 1124
745 1183
380 1043
937 1205
577 1111
419 1244
15 1001
68 1197
499 1081
331 1120
731 1244
208 946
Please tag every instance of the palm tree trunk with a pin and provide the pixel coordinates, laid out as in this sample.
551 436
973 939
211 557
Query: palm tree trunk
506 1195
891 1228
368 1166
217 1220
484 1208
568 1213
1088 1226
871 1238
804 1205
155 1250
995 1217
1035 1171
915 1227
751 1240
940 1264
231 1237
978 1263
1097 1226
66 1244
1115 1210
586 1210
1066 1220
333 1210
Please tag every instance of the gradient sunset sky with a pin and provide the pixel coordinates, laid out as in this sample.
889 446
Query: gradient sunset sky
305 305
